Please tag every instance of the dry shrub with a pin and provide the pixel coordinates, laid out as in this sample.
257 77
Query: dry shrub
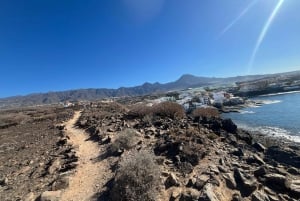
207 112
169 109
137 178
125 140
140 111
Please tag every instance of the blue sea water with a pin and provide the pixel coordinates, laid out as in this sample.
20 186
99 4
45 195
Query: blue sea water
279 116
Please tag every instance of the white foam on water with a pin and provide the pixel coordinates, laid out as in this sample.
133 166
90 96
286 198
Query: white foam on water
272 132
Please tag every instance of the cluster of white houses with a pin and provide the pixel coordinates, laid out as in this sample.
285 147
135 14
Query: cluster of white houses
191 99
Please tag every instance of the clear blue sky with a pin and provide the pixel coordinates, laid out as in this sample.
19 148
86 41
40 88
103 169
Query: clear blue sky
53 45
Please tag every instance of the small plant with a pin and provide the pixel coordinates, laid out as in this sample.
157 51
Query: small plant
137 178
125 140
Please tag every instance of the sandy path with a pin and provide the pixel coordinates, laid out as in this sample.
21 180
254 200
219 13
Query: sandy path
90 176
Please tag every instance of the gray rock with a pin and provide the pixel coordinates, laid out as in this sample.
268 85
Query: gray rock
236 197
259 147
259 196
50 196
229 179
29 197
246 186
276 182
255 159
273 198
260 171
190 195
171 181
214 169
222 169
60 184
238 152
293 171
175 194
208 194
294 187
4 181
56 165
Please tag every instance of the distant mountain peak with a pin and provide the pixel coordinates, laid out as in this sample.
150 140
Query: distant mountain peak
184 82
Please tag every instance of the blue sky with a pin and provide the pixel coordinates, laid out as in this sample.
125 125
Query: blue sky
54 45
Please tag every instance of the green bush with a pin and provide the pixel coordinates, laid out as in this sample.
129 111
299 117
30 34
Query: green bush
137 178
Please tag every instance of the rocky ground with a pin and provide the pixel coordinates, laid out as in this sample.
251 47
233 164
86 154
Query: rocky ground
203 160
206 159
33 155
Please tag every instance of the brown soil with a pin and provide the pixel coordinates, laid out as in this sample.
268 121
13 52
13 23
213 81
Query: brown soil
28 146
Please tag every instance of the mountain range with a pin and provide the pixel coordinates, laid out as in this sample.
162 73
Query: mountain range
184 82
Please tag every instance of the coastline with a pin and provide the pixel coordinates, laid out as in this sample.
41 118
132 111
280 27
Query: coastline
265 133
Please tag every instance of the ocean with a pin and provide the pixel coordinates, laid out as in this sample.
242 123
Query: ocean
278 116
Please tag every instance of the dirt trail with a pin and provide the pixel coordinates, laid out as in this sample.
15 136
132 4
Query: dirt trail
90 176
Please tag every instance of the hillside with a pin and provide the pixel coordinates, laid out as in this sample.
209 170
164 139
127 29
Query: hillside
185 81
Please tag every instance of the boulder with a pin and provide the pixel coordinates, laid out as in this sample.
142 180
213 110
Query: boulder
229 126
50 196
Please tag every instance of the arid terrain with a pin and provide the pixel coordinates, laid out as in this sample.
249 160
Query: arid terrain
113 151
